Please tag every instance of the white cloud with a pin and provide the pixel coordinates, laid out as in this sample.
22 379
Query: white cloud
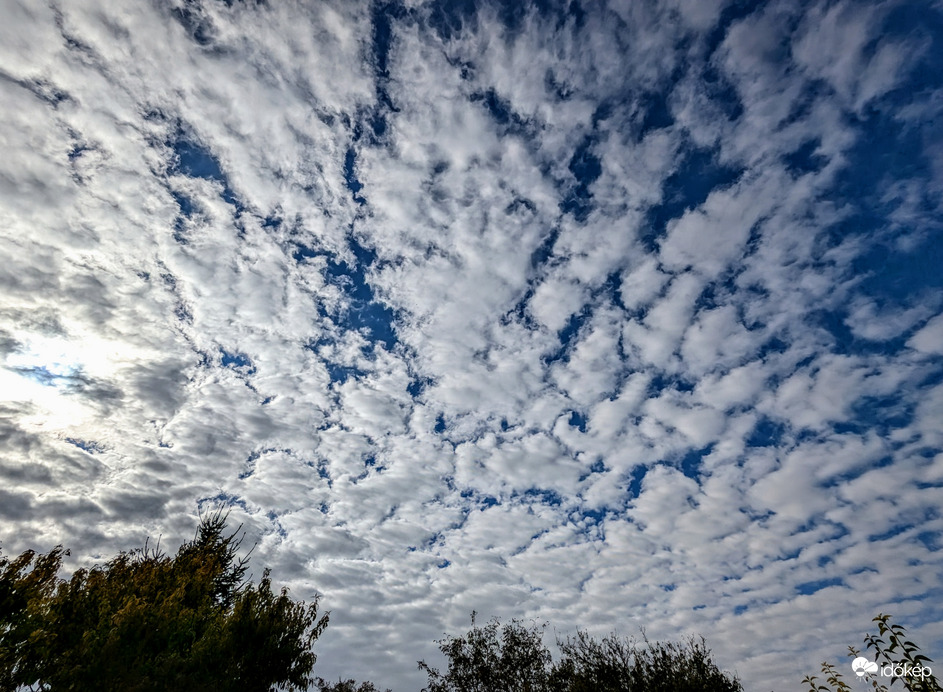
490 458
929 339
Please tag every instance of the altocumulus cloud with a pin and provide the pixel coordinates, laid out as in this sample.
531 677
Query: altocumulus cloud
612 314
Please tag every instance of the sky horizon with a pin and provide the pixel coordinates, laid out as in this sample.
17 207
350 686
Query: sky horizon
611 315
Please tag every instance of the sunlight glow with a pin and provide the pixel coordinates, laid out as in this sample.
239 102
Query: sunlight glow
45 371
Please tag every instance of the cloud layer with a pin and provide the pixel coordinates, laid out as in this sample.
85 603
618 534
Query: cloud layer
614 316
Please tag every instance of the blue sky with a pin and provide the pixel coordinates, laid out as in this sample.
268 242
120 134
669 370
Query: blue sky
610 315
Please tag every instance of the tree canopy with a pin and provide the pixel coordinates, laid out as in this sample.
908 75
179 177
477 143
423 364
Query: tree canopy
513 658
144 621
349 685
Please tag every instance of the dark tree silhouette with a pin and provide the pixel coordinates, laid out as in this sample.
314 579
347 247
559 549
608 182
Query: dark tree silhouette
513 658
27 583
483 661
349 685
615 664
144 621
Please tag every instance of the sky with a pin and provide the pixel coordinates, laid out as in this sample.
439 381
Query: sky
609 315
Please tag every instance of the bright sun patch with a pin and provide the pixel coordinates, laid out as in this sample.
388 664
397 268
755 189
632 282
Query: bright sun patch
48 374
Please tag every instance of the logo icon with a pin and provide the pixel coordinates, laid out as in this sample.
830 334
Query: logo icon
863 666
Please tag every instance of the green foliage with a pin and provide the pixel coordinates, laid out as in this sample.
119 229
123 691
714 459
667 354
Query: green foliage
889 648
589 664
833 678
145 621
26 584
615 664
513 658
349 685
483 661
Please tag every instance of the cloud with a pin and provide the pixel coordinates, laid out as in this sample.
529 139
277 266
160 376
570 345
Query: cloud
930 337
599 315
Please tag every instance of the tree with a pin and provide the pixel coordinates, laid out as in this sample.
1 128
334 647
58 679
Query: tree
145 621
615 664
26 584
513 658
481 661
895 658
349 685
